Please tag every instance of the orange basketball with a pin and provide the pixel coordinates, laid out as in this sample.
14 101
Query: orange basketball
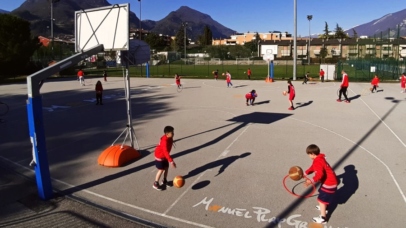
295 173
178 181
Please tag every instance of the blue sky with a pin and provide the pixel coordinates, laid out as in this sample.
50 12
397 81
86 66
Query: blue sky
266 15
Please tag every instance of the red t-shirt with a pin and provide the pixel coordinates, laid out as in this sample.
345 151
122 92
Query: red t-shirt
228 78
248 72
323 172
322 73
163 149
344 82
80 73
375 81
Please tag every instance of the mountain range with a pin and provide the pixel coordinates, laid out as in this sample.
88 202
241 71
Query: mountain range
386 24
38 13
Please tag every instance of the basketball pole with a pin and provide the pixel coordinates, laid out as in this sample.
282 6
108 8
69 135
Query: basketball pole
35 119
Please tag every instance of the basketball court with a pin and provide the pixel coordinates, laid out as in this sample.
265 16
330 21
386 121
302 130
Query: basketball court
234 157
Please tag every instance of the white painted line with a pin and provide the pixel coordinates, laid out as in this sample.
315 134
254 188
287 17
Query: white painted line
198 178
373 155
114 200
404 145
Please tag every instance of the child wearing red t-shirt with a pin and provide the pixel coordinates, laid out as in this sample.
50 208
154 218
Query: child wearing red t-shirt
292 93
177 79
324 174
163 158
344 87
374 83
251 97
228 79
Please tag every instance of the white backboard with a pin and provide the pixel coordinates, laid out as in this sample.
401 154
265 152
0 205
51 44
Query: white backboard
267 48
104 25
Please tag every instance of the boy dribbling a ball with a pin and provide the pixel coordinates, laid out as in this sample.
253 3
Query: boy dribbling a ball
326 176
162 157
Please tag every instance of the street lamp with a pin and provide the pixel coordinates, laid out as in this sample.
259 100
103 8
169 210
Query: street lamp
140 21
309 17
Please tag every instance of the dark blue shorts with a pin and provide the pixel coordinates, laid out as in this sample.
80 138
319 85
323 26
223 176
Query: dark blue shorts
162 164
326 195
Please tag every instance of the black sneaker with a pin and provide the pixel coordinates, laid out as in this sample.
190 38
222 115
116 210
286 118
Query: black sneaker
157 186
167 183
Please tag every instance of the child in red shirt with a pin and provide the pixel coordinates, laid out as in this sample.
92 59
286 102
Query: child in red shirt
228 79
292 94
162 158
251 97
324 174
177 79
374 83
344 87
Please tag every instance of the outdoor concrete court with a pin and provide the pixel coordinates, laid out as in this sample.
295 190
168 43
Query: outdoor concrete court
233 157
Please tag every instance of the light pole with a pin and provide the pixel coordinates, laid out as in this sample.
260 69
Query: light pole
140 21
52 26
184 24
294 38
309 17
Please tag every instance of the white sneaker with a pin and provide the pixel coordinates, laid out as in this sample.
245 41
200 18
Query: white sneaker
320 220
318 208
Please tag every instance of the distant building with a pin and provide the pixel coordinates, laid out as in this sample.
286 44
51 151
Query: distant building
337 48
242 38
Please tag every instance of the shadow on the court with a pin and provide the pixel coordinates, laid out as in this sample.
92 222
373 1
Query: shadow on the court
350 182
354 97
301 105
201 184
259 117
191 87
262 102
239 86
222 163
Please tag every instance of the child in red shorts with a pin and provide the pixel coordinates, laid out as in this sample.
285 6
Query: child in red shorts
162 158
251 97
326 176
292 94
177 79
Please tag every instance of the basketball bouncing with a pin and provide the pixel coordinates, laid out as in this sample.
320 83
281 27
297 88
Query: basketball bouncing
178 181
295 173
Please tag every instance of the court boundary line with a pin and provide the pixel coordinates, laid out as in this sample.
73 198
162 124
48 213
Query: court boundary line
112 200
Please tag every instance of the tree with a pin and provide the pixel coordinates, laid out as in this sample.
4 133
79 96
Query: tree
207 36
326 33
355 34
323 52
339 33
16 44
179 39
155 41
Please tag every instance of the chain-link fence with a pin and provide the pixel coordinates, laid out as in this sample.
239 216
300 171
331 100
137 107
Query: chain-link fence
366 69
282 69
